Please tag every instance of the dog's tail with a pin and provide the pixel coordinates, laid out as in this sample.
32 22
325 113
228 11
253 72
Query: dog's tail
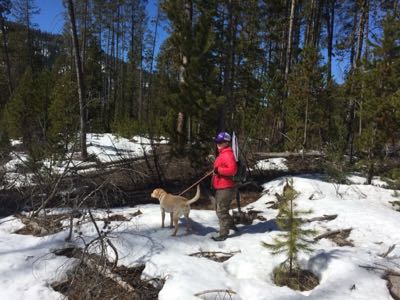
196 197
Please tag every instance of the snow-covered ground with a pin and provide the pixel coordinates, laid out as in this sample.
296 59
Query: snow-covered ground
27 266
278 163
104 147
108 147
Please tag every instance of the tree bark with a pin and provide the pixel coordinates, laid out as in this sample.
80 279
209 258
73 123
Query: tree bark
355 64
79 75
330 15
188 11
5 49
289 40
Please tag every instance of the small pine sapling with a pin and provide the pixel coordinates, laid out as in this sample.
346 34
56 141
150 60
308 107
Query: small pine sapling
293 238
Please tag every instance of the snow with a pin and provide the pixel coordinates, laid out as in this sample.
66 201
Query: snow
12 175
108 147
278 163
105 147
27 266
376 180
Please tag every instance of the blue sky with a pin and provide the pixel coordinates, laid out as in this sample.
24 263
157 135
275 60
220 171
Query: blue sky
51 19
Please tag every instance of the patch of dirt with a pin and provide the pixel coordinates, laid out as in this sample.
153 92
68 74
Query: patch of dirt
42 225
299 279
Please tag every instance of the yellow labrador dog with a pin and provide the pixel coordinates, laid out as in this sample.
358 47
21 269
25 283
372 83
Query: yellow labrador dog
175 205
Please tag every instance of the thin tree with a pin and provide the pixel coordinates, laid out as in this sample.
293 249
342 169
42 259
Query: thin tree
5 6
289 40
79 75
188 14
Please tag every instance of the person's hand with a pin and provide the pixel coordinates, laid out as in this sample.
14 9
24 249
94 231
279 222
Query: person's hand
216 171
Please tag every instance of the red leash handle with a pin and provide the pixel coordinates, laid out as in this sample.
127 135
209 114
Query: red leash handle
197 182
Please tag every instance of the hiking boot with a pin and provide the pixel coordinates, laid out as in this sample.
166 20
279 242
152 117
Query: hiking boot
219 238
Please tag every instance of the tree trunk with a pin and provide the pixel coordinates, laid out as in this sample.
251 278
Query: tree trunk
330 15
6 55
28 36
79 75
360 35
289 40
84 33
305 124
228 69
188 11
355 64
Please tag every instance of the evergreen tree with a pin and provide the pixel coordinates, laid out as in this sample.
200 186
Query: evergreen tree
64 111
304 105
26 114
23 11
380 96
197 96
19 114
294 238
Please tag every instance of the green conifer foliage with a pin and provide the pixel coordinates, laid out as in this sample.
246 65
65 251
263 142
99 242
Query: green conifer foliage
19 112
197 96
293 239
379 96
64 110
304 106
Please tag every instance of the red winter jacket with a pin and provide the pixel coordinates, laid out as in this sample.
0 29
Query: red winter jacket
226 165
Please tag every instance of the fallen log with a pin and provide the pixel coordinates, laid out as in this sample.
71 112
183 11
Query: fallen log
288 154
332 233
323 218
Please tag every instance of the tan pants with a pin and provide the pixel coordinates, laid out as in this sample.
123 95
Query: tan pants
223 199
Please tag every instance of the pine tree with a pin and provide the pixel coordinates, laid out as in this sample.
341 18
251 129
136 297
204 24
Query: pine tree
304 105
19 113
23 11
197 96
5 8
380 96
294 238
64 111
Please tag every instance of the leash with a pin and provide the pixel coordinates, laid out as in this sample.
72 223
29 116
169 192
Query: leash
197 182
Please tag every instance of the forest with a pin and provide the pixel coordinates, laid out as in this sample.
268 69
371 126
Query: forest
285 75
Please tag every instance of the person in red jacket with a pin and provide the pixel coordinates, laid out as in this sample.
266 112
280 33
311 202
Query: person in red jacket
225 168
